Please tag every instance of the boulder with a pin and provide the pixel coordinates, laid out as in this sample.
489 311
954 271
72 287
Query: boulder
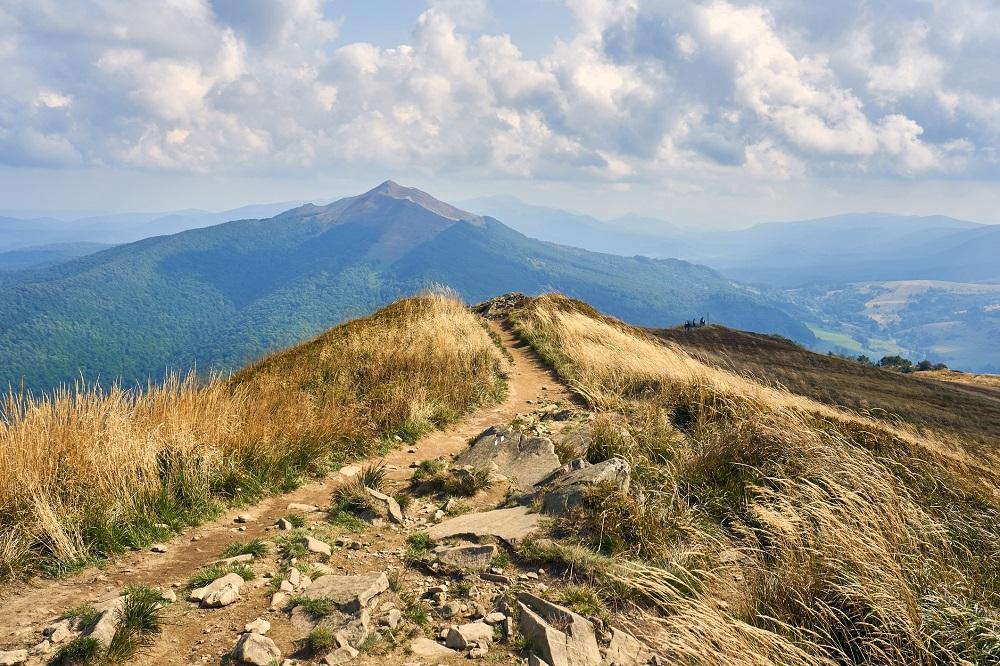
256 650
577 440
508 452
466 636
626 650
425 647
13 657
468 556
258 626
512 525
341 655
570 489
316 546
356 631
220 592
391 506
103 630
558 635
349 593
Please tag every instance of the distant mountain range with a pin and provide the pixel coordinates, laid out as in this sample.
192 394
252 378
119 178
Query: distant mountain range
37 256
832 250
17 233
218 296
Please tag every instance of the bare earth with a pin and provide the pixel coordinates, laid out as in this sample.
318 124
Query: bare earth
198 636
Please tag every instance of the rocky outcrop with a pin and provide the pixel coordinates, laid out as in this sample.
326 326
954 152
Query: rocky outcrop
512 525
474 557
557 634
349 593
626 650
505 450
570 488
256 650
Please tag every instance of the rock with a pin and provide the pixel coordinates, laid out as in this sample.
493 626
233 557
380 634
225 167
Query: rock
283 524
478 652
535 660
506 451
341 655
626 650
220 592
159 548
356 631
294 577
278 600
45 647
298 507
392 618
169 596
425 647
449 609
468 556
255 649
258 626
13 657
350 471
286 587
494 618
496 578
570 489
559 635
349 593
243 518
511 525
59 632
316 546
104 628
391 505
577 440
466 636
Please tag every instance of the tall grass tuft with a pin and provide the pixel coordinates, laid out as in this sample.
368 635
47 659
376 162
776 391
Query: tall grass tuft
86 472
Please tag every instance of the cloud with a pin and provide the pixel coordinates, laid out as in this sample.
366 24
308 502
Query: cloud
690 95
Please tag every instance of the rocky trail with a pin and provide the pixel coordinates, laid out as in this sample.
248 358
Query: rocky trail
414 573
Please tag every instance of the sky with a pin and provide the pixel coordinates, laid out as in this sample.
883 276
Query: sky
715 113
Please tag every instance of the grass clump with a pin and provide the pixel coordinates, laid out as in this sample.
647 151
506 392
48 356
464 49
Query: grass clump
213 572
85 615
372 476
314 606
255 547
88 471
296 520
319 640
81 651
434 476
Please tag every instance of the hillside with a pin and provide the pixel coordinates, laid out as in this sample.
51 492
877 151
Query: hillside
662 510
220 296
968 410
37 256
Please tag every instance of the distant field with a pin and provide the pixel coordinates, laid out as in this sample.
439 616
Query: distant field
970 408
842 341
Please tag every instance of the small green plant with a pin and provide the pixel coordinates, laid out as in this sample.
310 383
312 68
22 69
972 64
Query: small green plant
256 547
416 612
501 559
81 650
139 620
315 607
372 476
419 543
403 500
85 615
297 520
320 639
433 476
458 508
347 521
583 600
213 572
290 545
426 470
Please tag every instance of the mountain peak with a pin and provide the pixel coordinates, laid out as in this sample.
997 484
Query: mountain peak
394 190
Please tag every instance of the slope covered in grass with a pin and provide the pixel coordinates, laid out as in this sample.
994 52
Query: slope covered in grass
762 527
86 473
970 410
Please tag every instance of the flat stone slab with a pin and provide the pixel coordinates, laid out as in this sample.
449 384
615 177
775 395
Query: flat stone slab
425 647
476 557
511 525
527 460
349 593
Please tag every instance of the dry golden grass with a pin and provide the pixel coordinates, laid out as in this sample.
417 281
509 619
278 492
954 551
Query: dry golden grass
808 534
86 473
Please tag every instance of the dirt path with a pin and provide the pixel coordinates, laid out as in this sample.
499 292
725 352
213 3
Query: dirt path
204 636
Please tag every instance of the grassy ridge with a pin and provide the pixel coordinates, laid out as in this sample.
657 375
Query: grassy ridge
86 473
763 527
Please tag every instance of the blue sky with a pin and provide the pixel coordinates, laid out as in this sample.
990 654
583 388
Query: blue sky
714 112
